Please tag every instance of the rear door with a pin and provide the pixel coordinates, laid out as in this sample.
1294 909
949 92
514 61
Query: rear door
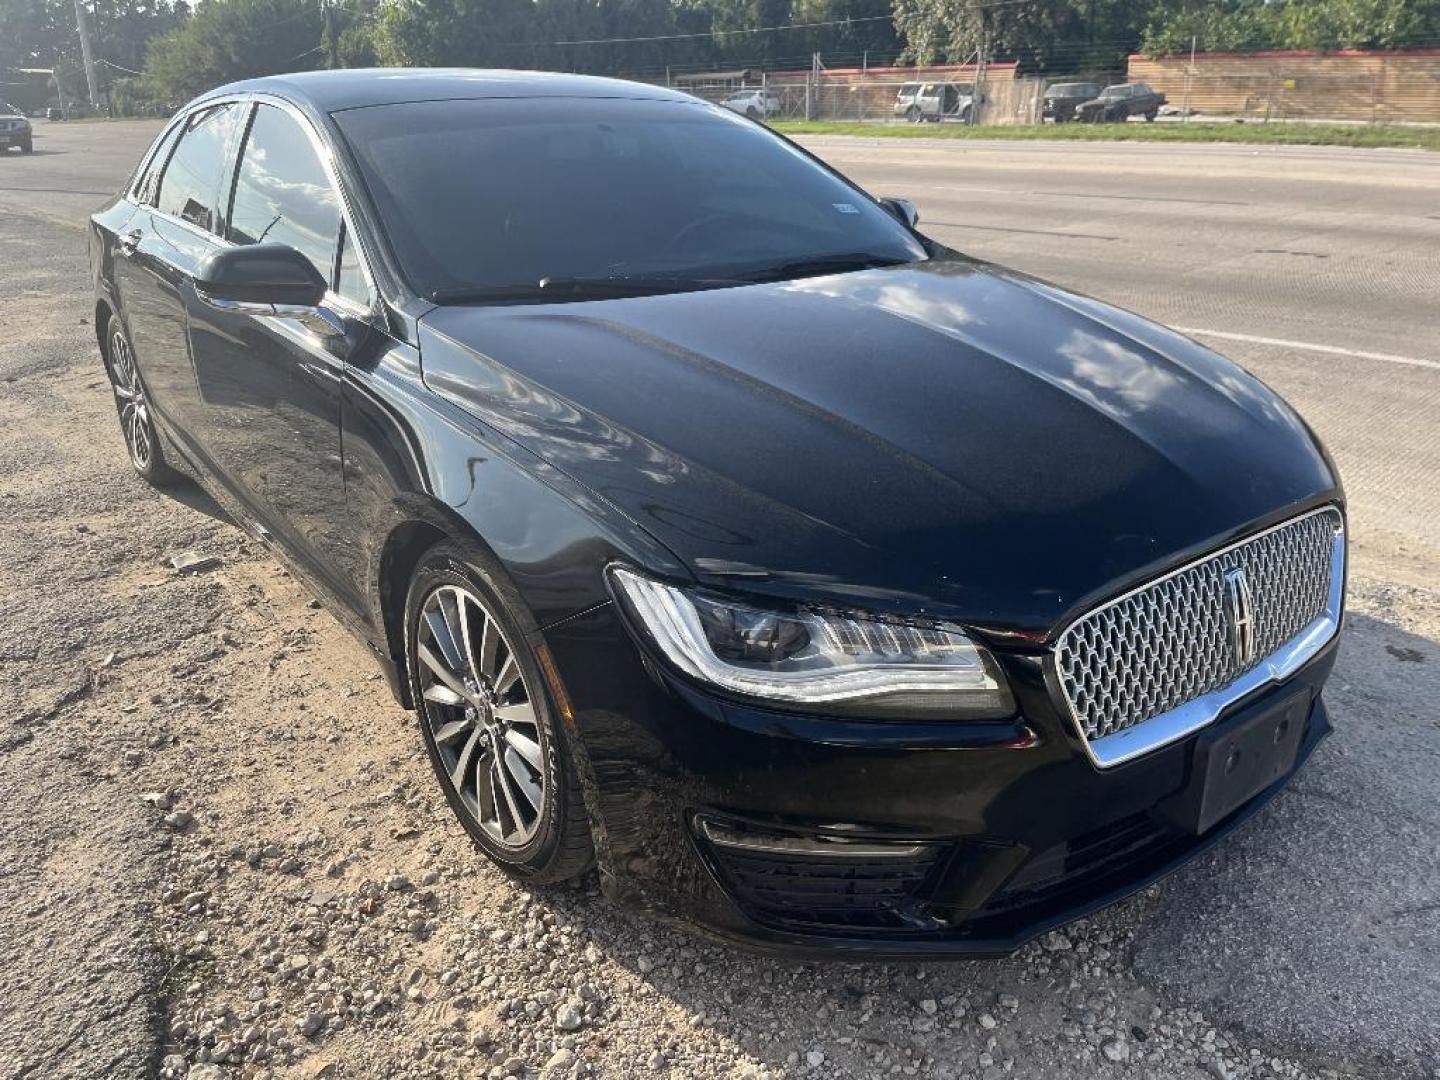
158 251
272 388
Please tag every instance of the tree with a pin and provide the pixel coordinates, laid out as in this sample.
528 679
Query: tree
1236 25
225 40
1045 35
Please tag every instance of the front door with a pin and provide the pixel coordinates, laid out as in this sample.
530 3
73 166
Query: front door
272 388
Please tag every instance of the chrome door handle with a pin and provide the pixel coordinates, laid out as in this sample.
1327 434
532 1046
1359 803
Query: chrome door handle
129 242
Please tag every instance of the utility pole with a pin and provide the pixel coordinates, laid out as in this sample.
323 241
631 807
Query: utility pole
87 53
1189 74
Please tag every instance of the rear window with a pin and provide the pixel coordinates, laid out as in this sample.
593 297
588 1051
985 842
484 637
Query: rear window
190 186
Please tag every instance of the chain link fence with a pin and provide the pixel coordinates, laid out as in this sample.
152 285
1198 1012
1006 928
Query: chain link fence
1402 86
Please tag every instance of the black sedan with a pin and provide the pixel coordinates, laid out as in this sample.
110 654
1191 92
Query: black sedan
821 585
1116 104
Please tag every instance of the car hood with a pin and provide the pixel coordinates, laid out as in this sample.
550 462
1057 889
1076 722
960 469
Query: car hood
943 438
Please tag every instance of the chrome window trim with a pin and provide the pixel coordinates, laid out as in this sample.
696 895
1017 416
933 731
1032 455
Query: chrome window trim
1133 742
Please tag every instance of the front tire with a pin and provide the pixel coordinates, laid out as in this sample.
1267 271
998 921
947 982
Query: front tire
27 148
486 717
142 441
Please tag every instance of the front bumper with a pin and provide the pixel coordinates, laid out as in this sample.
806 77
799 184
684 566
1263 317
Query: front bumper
1007 829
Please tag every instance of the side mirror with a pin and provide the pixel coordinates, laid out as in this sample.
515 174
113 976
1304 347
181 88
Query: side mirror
267 280
274 274
903 211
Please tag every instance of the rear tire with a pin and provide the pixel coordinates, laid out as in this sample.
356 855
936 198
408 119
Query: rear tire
27 148
752 112
142 440
912 114
1150 116
499 750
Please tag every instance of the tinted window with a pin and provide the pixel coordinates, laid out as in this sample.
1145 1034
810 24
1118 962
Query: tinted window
283 194
148 181
485 194
190 186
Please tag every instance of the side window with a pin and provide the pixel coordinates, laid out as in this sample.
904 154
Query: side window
149 180
190 185
282 193
350 281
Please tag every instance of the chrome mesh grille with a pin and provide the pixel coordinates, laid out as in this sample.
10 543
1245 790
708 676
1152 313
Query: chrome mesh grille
1169 642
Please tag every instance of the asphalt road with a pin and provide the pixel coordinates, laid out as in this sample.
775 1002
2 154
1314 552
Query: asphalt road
1314 932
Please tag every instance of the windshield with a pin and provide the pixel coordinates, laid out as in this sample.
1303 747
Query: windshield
496 196
6 107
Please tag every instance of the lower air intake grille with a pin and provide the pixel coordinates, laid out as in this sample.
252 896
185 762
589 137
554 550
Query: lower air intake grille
876 887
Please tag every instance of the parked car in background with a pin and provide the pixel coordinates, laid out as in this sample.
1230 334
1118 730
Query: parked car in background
758 104
933 102
1118 103
1062 99
15 129
675 483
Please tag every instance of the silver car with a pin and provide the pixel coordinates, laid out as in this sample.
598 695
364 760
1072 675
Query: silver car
935 101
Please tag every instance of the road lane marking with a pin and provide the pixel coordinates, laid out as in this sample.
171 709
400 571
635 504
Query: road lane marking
1309 346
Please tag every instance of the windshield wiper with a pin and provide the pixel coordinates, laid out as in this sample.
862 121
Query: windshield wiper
842 263
559 290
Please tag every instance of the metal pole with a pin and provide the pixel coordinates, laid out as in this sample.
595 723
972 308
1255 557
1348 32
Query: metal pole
92 83
1189 74
83 24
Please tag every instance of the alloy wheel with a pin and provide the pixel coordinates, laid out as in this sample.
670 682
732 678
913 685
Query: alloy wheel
481 715
130 400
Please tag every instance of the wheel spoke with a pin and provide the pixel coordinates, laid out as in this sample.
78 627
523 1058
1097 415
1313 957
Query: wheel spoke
442 695
462 763
445 732
489 641
520 713
462 608
485 804
515 770
441 670
504 781
526 747
440 631
507 675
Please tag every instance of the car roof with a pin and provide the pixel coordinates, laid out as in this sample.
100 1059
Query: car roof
355 88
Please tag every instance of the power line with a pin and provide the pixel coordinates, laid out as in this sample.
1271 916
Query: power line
751 30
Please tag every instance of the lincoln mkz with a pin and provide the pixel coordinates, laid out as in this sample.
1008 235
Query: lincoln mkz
828 589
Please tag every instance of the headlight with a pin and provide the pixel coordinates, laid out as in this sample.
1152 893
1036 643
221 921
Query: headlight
844 663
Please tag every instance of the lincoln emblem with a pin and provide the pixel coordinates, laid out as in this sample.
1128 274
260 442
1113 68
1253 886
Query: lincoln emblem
1241 607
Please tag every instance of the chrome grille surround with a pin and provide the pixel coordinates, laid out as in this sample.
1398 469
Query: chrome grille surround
1159 662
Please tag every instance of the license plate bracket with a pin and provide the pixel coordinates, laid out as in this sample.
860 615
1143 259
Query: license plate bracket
1235 761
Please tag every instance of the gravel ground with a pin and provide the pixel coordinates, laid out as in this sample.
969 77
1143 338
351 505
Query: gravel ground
222 853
